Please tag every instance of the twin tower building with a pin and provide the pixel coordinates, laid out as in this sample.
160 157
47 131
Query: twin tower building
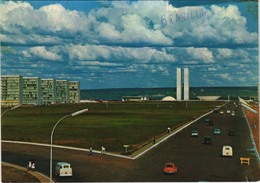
185 86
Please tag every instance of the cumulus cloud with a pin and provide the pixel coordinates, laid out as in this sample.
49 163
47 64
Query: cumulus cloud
201 54
41 52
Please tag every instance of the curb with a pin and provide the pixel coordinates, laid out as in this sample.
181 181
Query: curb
38 175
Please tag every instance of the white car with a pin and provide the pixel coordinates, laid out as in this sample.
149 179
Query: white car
221 112
228 111
194 133
233 113
63 169
227 151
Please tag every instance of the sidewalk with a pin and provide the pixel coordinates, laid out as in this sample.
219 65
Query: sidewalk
39 176
253 120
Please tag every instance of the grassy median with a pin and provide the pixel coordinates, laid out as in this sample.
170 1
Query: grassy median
110 124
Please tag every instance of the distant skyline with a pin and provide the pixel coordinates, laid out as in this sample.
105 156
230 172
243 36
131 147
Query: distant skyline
139 44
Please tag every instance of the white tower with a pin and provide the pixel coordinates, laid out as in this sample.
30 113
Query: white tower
186 84
178 84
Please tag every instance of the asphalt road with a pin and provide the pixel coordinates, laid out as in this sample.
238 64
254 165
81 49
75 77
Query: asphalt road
195 160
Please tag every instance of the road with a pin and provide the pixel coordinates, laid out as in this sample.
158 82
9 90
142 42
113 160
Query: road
195 160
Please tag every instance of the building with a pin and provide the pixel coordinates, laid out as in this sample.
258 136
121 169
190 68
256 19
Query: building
74 91
11 90
178 84
32 90
62 91
48 95
186 84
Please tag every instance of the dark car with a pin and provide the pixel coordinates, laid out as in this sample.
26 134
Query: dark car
207 140
231 132
206 119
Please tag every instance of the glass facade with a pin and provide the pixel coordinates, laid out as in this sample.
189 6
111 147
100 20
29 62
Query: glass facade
11 90
62 91
74 91
48 95
32 90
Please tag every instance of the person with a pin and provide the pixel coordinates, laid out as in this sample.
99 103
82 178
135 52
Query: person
90 151
154 140
169 129
103 150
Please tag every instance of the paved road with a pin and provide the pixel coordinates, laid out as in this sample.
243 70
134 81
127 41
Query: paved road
195 160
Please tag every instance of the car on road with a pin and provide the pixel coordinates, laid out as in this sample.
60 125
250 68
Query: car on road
233 113
63 169
170 168
206 119
228 111
227 151
217 131
231 132
207 140
221 112
194 133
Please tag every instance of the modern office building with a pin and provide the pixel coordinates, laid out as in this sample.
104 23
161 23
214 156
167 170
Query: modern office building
186 84
74 91
48 95
11 90
178 84
32 90
62 91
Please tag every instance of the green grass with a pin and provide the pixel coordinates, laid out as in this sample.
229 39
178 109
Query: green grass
108 124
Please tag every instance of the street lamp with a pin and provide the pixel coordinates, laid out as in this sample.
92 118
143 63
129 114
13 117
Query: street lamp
15 107
73 114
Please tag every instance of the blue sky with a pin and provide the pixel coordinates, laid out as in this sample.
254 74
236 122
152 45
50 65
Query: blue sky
121 44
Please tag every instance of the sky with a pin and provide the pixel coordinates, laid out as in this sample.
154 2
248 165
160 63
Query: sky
138 44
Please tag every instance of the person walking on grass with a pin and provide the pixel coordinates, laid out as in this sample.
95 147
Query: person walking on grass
103 150
90 151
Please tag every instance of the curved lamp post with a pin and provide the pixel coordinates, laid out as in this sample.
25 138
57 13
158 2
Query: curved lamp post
73 114
15 107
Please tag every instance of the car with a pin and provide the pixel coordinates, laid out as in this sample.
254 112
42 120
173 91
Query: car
194 133
170 168
63 169
233 113
207 140
217 131
227 151
228 111
231 132
221 112
207 119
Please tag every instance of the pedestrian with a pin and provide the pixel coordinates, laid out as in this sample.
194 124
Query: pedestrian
103 150
154 140
169 129
90 151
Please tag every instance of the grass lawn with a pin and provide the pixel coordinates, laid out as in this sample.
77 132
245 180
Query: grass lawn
110 124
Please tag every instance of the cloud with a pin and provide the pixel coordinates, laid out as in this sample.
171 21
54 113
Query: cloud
202 54
42 53
224 76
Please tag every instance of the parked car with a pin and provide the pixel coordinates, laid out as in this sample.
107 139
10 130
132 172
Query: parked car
233 113
227 151
217 131
63 169
228 111
194 133
221 112
170 168
231 132
207 140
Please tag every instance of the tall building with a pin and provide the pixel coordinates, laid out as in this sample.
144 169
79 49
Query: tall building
178 84
11 90
48 95
62 91
74 91
32 90
186 84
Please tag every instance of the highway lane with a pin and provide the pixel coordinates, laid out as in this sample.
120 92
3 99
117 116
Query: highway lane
195 161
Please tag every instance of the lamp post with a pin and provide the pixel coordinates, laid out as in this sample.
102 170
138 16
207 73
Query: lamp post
15 107
73 114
